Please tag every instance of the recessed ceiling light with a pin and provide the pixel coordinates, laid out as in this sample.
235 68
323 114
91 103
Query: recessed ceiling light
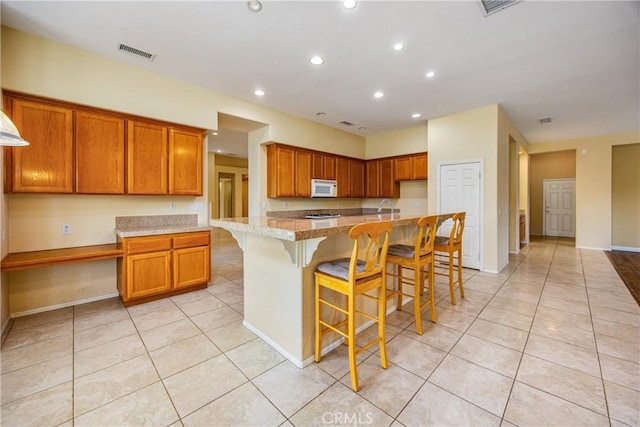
321 114
218 151
214 133
398 46
254 6
416 115
349 4
430 74
316 60
378 95
259 92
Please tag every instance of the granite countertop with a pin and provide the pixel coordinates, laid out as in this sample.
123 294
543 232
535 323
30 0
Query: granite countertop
294 229
151 225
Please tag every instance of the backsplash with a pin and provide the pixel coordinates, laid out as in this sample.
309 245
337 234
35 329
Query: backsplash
156 221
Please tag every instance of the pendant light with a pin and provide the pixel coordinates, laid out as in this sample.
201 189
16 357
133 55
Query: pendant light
9 135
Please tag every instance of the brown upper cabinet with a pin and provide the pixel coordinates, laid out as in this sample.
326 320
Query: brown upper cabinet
411 167
357 178
87 150
185 162
99 141
343 176
45 166
302 170
281 160
146 158
380 179
323 166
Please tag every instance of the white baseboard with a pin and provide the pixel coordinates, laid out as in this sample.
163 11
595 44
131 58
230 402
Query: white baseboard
625 248
63 305
593 249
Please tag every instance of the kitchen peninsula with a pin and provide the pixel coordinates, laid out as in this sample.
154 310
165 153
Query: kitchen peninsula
280 256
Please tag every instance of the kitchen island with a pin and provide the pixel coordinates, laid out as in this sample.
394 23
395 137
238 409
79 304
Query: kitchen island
280 256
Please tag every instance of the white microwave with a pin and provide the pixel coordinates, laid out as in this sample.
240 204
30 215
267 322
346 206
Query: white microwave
324 188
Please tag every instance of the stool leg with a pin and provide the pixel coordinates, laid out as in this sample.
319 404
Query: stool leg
418 278
399 281
351 340
460 273
432 294
451 289
318 332
382 315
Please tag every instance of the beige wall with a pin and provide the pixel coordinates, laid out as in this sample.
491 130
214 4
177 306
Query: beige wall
38 66
560 164
625 197
469 136
593 184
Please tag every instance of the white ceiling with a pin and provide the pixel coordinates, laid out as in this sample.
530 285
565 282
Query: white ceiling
576 62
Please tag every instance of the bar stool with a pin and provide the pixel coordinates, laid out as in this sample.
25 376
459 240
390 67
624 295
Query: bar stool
416 257
448 253
353 277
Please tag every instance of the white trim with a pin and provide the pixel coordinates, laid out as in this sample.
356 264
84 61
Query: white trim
4 326
480 161
592 248
63 305
625 248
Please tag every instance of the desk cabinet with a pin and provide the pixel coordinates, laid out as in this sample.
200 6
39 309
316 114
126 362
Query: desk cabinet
155 267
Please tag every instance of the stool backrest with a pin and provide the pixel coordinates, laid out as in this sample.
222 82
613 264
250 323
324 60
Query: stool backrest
427 227
375 239
455 238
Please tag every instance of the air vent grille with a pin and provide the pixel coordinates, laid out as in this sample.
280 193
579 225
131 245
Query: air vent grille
545 120
493 6
346 123
138 52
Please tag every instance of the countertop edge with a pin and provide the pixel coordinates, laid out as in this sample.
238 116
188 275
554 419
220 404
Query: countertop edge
155 231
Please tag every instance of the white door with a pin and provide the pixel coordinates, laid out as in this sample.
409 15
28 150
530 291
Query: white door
460 191
560 211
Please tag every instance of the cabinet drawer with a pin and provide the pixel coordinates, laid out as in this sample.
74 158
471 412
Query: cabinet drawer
191 240
136 246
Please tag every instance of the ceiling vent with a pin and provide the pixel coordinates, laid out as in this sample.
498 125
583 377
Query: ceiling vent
492 6
346 123
545 120
138 52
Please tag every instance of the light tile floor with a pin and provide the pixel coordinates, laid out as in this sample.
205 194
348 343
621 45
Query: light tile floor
554 340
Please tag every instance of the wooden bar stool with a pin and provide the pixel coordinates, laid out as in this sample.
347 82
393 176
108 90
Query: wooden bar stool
352 277
419 258
448 254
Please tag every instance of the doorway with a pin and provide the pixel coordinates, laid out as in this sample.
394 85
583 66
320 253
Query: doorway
560 207
459 190
225 195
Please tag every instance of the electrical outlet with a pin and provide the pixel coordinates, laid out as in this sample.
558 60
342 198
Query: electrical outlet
285 204
66 229
172 206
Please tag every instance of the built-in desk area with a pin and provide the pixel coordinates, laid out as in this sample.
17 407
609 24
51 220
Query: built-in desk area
280 256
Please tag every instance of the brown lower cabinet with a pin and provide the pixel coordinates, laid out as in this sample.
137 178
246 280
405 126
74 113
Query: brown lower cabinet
154 267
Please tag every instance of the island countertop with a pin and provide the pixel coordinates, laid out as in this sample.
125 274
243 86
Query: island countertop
295 229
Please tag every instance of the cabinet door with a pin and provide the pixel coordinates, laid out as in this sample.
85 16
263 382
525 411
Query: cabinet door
280 171
420 165
343 176
317 166
303 173
388 185
148 274
357 178
372 178
99 153
404 169
330 167
146 158
191 266
185 162
46 166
